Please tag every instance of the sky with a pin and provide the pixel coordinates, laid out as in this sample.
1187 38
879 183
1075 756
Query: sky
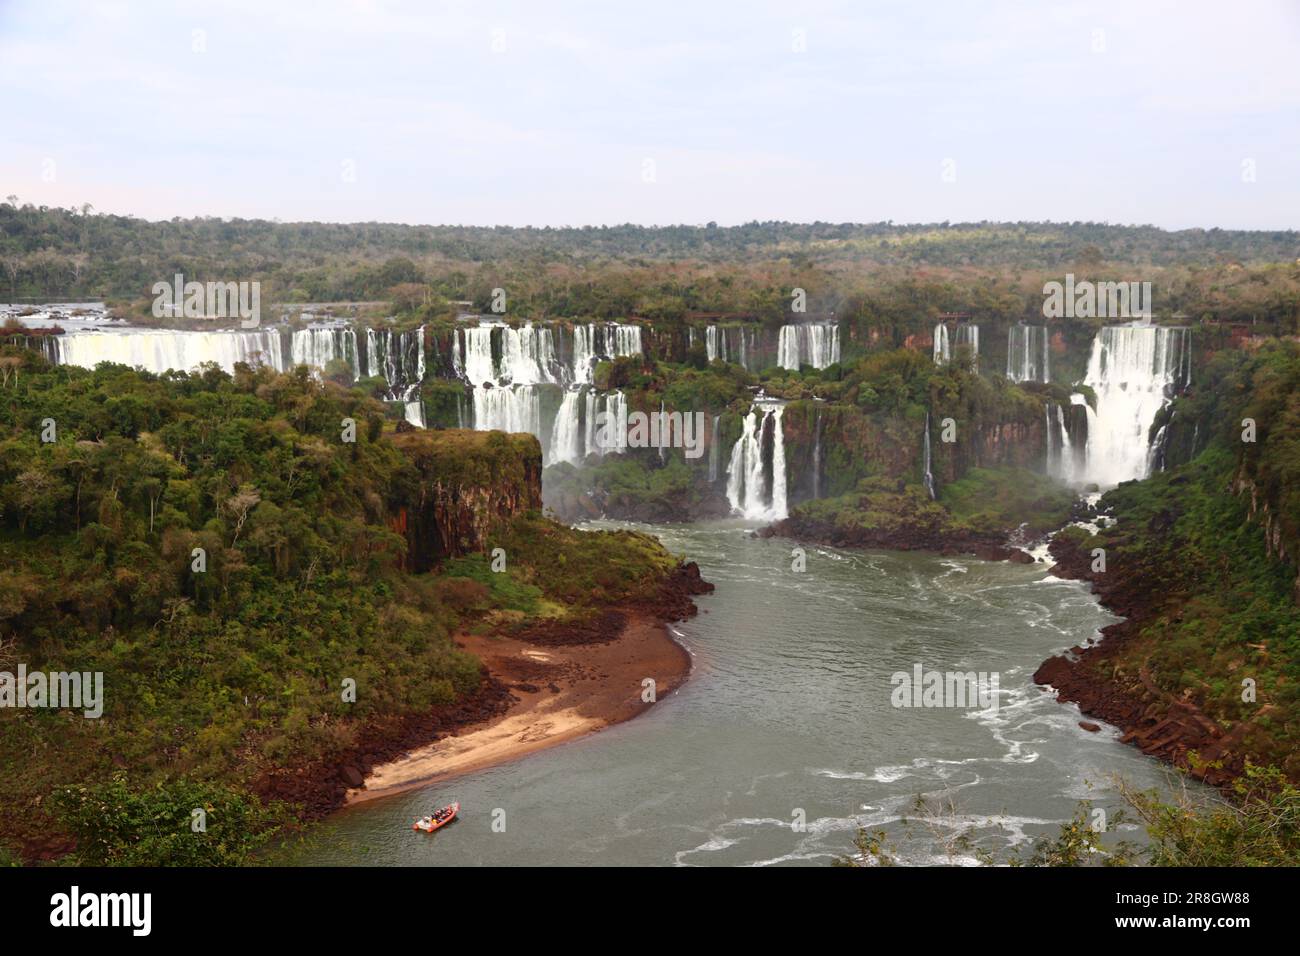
1179 114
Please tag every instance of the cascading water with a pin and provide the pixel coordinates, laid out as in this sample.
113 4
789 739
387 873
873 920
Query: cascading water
817 345
612 439
942 353
968 336
508 368
945 346
503 365
1134 371
316 346
927 476
750 490
161 350
714 452
1027 354
499 354
399 358
737 345
817 456
1159 449
567 435
779 489
508 408
1062 457
602 342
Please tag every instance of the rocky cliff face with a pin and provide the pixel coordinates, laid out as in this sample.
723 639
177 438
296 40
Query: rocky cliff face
853 445
465 489
1280 545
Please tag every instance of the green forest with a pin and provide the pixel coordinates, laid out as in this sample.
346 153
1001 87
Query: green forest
879 274
218 672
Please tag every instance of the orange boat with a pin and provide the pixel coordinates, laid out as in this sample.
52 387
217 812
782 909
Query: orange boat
436 820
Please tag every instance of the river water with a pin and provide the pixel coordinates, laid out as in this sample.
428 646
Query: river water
788 716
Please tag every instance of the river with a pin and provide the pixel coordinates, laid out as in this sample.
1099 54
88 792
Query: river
788 716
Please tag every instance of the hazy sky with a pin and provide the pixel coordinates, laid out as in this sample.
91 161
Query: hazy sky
558 113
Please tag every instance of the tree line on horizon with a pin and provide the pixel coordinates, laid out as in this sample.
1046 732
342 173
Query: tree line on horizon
661 273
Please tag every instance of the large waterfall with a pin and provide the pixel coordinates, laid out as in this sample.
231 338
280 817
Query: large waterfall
508 408
587 423
498 354
509 368
1134 371
399 358
159 350
756 475
817 345
1027 354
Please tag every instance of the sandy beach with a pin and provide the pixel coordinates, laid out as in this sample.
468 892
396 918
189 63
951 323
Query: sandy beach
563 691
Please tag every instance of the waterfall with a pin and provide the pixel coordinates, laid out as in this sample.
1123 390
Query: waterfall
160 350
413 412
1134 371
505 365
745 471
946 346
1067 464
1065 449
603 342
715 343
942 354
318 345
1159 447
590 420
663 443
527 356
713 448
779 488
749 490
816 345
927 477
396 356
968 335
615 432
567 435
817 456
1027 353
399 358
1048 429
476 364
502 355
1061 459
508 408
737 345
